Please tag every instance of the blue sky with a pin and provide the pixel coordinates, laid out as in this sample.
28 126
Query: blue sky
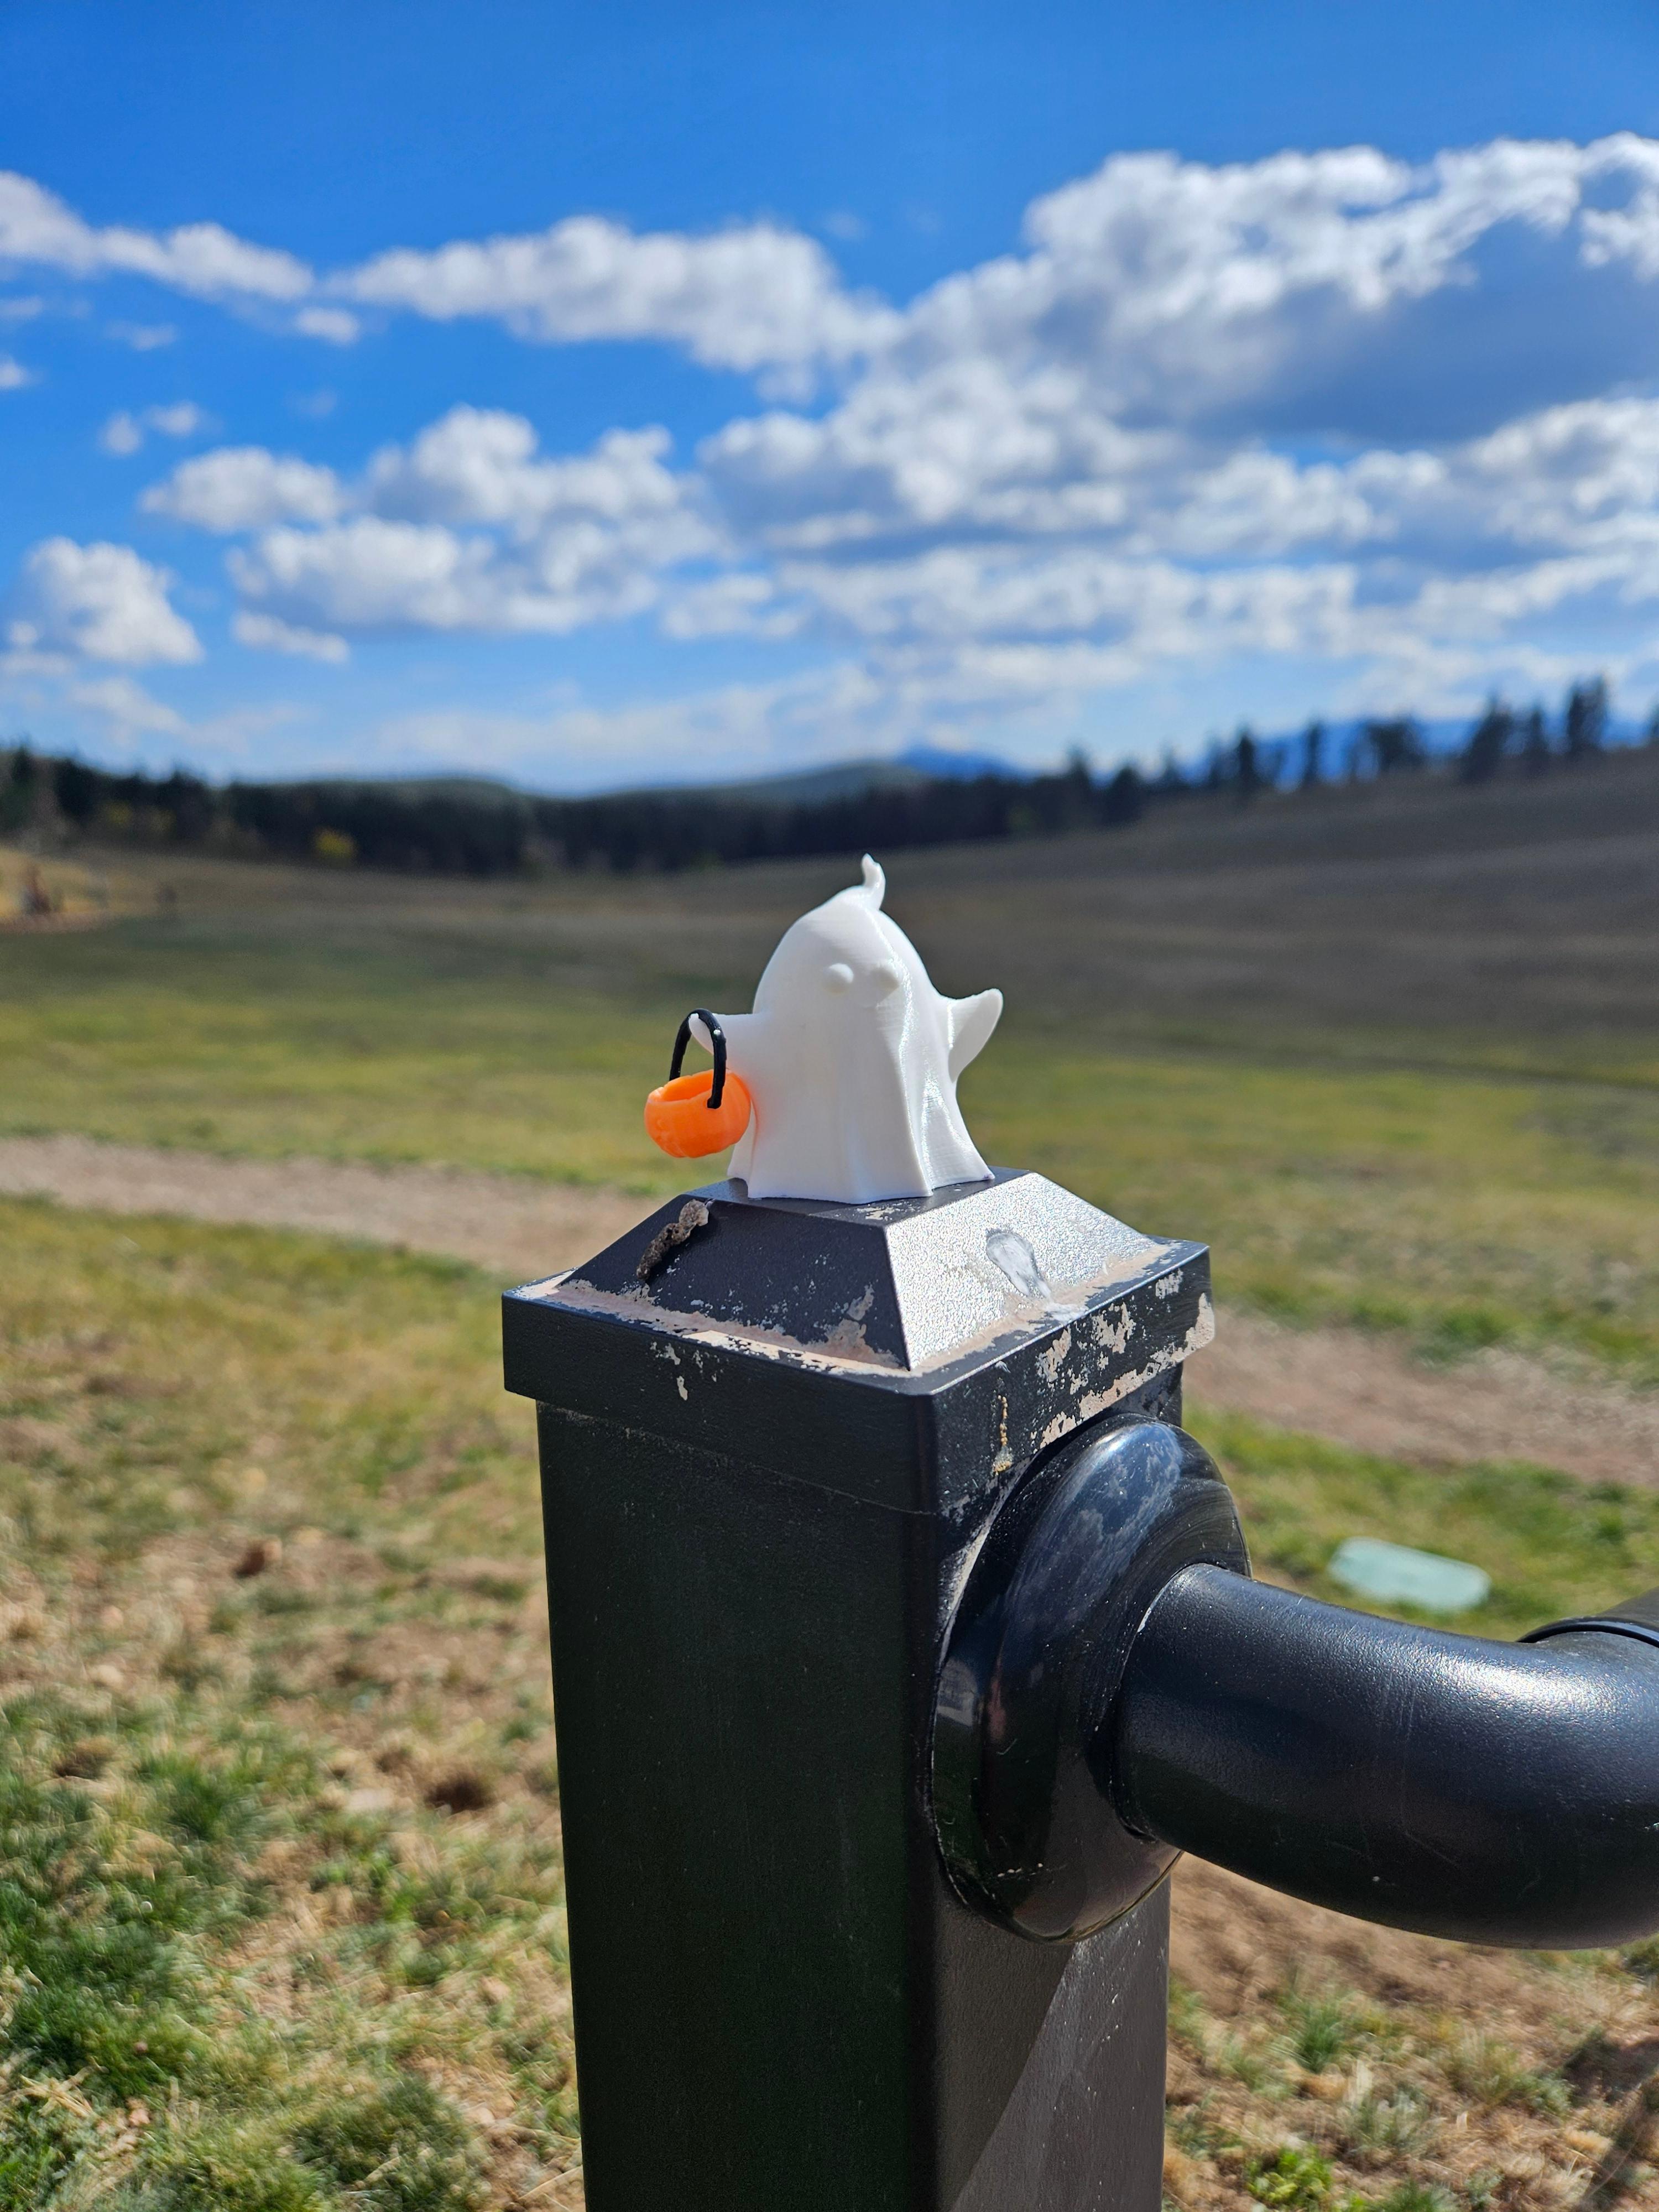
606 396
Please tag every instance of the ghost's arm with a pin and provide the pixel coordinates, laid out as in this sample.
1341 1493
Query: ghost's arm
739 1039
972 1021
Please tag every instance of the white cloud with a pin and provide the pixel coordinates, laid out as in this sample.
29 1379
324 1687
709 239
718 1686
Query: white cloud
98 602
13 374
266 634
756 295
956 443
741 604
125 432
478 465
1387 424
1583 474
1002 551
1630 233
995 603
1176 288
1096 464
753 296
129 709
245 487
182 420
1172 284
201 258
369 573
334 326
20 308
748 728
467 528
1161 301
238 738
143 337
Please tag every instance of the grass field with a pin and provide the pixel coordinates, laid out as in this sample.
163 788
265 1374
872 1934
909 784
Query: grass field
280 1901
280 1904
1395 1056
1470 1208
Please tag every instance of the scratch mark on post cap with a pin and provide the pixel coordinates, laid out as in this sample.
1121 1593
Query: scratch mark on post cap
691 1217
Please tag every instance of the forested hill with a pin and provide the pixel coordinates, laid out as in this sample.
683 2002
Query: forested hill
470 826
469 829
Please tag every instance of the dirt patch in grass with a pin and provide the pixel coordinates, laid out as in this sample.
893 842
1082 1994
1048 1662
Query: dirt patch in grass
81 894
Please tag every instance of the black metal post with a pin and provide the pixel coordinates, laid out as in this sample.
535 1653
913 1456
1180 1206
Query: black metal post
774 1436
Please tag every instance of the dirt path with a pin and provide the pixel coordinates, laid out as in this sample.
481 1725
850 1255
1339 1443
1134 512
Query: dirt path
517 1228
1358 1389
1367 1392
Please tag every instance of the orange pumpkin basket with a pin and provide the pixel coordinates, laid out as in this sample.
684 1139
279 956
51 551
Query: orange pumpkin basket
692 1114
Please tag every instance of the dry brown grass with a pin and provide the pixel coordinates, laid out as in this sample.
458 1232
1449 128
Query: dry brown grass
180 1402
264 1488
431 1733
234 1471
1517 2081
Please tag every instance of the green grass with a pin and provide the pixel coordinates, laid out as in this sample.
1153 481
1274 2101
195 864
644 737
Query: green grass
236 1043
1552 1545
1294 2180
140 2070
1466 1210
1465 1207
153 1369
248 1960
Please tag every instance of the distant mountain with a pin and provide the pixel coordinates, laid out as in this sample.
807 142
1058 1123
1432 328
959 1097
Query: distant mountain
1442 737
939 764
812 786
817 787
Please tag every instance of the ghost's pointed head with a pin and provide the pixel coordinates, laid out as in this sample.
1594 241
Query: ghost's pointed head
845 950
851 1057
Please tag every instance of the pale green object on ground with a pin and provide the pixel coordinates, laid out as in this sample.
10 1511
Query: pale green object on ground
1394 1574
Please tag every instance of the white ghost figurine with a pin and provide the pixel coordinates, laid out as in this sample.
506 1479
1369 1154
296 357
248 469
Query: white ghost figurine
851 1057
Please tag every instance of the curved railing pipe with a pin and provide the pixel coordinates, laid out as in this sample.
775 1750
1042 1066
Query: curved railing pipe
1500 1793
1116 1689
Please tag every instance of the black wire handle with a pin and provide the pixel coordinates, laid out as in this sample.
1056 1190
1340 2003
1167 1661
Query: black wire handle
717 1041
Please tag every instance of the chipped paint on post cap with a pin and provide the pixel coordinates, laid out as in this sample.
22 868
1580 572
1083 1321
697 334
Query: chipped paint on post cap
1012 1310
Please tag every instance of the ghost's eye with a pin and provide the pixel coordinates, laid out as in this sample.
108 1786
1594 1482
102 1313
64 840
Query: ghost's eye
838 977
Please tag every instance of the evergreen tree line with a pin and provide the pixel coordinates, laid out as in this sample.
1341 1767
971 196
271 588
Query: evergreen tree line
471 833
466 832
1505 736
